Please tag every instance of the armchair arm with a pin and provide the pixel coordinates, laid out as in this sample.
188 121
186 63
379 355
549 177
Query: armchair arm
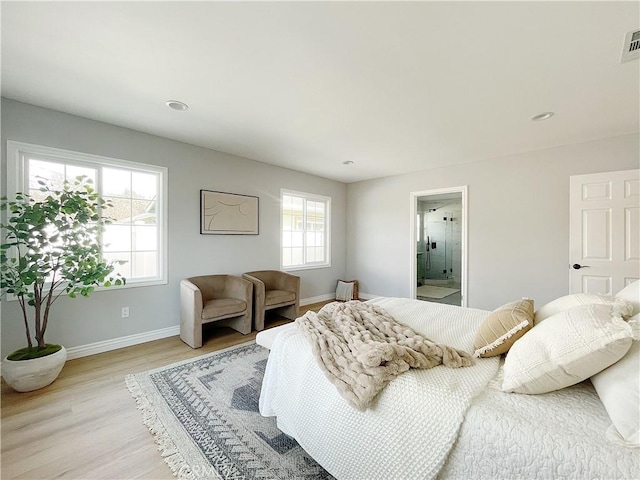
190 301
258 289
190 314
258 300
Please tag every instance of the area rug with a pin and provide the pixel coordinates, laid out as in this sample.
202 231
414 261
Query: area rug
204 416
433 291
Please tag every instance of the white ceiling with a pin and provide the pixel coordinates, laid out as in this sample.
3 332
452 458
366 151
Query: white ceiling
393 87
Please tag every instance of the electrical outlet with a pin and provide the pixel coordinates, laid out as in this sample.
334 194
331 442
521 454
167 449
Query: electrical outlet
125 312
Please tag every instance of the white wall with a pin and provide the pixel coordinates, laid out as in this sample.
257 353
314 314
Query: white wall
518 221
83 321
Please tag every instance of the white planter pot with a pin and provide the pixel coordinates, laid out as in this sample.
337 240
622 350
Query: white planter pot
28 375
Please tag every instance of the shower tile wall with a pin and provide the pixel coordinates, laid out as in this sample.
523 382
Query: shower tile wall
435 229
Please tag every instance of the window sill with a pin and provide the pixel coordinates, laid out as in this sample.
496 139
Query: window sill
305 267
9 297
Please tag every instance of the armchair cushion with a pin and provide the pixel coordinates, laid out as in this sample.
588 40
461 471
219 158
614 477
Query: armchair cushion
222 307
276 297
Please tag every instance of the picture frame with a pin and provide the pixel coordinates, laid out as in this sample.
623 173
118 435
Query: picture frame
223 213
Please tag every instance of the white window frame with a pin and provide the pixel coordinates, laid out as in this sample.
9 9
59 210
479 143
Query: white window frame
17 181
327 230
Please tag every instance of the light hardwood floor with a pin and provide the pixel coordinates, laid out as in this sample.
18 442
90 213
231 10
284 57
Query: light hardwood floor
85 425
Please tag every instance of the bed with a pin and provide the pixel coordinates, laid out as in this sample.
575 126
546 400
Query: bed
439 422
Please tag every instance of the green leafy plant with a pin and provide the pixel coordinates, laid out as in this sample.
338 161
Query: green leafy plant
51 247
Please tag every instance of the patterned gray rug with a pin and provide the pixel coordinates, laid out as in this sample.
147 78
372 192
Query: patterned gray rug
204 415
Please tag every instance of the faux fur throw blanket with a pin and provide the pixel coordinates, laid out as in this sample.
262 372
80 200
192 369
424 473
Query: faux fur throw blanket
361 348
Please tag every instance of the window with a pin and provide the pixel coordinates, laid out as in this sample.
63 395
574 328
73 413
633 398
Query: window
305 230
137 236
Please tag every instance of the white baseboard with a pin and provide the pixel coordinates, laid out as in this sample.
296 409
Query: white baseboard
138 338
367 296
121 342
319 298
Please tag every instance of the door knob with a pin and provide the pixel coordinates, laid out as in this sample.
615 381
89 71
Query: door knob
577 266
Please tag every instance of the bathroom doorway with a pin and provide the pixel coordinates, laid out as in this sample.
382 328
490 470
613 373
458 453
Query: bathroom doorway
438 234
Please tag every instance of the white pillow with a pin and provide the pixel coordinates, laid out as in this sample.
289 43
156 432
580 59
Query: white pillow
619 389
631 293
344 291
568 348
563 304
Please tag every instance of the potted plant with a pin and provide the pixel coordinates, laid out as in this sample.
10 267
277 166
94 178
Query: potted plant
50 247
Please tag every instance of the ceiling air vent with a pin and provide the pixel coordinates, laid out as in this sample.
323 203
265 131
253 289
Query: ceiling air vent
631 50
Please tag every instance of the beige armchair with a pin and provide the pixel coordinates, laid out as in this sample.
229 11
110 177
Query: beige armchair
224 299
273 289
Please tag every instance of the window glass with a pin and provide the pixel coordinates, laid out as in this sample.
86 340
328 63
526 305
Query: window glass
305 222
116 238
119 211
143 264
144 237
144 186
40 170
74 171
136 235
116 182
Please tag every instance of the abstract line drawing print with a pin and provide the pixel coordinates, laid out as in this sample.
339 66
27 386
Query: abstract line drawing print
228 213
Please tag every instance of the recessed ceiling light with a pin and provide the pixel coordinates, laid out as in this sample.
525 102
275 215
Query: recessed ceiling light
177 105
348 162
542 116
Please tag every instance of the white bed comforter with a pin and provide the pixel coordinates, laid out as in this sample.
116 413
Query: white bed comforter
412 424
558 435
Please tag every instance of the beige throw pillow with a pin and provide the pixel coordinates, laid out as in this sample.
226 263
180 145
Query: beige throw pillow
567 348
503 327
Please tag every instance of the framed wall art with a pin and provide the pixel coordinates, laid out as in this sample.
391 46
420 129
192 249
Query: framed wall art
228 213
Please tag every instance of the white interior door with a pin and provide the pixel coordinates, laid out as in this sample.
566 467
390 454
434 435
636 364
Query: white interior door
604 231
